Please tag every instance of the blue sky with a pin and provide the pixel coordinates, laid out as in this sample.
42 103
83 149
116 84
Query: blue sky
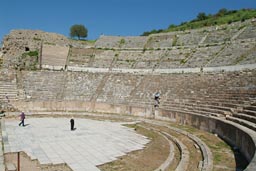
108 17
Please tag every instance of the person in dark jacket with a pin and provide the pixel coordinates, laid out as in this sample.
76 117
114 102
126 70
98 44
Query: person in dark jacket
72 124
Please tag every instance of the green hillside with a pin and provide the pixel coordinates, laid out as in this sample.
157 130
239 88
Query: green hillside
223 16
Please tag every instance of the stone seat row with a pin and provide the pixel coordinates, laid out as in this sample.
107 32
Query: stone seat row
232 32
207 110
246 117
236 114
190 111
243 122
184 153
207 162
219 104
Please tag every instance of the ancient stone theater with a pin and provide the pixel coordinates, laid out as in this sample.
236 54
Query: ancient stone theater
182 101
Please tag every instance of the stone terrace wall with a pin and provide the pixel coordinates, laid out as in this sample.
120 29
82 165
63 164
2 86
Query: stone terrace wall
211 46
120 42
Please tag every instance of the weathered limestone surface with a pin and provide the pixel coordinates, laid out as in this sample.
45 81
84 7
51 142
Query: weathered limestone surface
22 41
54 55
119 42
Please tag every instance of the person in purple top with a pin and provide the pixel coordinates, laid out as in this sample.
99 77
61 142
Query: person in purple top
22 118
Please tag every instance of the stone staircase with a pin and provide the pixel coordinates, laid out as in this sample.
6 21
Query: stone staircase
8 89
43 85
8 86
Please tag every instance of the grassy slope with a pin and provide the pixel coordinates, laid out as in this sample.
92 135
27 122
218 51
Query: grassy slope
231 16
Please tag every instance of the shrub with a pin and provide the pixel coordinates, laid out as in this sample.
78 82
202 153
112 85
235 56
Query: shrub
30 53
183 61
37 39
122 41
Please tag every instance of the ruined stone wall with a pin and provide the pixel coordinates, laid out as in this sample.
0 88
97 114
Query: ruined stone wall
19 42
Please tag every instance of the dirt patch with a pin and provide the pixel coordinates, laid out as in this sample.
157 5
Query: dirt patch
155 153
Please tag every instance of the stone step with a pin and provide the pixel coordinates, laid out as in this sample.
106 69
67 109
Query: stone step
251 108
232 100
10 98
195 112
248 112
199 108
224 102
13 88
7 85
8 93
201 104
245 117
10 167
243 122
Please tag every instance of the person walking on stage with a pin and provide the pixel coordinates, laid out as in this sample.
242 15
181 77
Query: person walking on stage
22 118
72 124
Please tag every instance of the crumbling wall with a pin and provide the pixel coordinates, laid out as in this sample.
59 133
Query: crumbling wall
20 42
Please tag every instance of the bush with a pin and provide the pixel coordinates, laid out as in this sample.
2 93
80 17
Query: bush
122 41
30 53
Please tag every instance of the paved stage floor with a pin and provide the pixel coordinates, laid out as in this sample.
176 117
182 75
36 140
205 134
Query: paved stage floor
50 140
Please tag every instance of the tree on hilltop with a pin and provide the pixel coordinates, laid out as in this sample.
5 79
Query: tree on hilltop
78 30
201 16
222 12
